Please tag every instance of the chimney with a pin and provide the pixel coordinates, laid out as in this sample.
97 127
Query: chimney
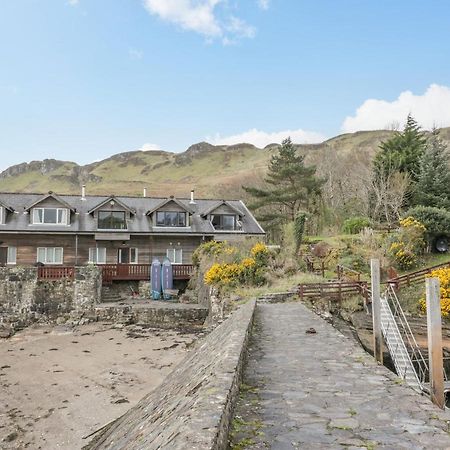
144 193
83 192
192 202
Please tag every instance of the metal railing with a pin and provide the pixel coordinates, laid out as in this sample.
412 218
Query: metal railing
402 344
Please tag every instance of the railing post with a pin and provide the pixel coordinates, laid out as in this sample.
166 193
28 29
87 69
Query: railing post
376 310
434 328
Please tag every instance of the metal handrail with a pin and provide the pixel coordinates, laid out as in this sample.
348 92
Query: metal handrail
413 349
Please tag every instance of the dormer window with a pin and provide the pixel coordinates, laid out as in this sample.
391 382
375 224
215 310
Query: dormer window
112 220
170 219
50 216
223 222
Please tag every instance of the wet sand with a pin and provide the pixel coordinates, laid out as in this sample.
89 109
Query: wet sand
59 384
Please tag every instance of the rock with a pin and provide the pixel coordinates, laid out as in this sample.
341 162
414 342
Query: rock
5 332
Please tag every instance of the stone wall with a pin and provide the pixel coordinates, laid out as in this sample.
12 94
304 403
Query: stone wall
192 408
25 299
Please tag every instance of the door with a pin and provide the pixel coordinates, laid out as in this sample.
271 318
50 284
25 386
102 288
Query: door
3 256
123 256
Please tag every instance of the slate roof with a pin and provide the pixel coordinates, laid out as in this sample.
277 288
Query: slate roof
83 222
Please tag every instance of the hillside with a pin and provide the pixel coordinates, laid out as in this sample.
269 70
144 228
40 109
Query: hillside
210 170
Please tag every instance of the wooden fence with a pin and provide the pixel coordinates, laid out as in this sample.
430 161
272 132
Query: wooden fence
333 290
55 272
415 277
138 272
346 274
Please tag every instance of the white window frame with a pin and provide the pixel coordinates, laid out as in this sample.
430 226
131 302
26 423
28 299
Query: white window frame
136 255
64 216
95 251
171 253
11 258
2 215
46 251
130 249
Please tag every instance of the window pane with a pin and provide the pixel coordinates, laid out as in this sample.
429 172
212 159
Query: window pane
228 222
41 254
160 218
170 253
62 216
215 220
92 255
133 255
58 255
181 219
50 215
12 252
101 255
171 219
37 215
178 255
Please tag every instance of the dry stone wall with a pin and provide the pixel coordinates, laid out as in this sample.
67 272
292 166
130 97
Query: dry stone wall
192 408
24 299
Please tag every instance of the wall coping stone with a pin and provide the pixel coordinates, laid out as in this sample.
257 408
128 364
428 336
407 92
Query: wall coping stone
191 409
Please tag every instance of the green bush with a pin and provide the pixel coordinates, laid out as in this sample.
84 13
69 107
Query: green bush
435 220
354 225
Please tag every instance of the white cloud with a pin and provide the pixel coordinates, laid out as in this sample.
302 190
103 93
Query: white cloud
73 2
429 109
261 138
149 147
263 4
202 17
136 54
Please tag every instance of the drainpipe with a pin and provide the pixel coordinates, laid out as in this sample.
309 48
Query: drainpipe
76 249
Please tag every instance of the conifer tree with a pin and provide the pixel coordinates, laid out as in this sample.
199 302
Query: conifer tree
402 152
291 187
433 185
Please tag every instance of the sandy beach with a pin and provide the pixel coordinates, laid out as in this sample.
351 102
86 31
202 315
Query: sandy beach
59 384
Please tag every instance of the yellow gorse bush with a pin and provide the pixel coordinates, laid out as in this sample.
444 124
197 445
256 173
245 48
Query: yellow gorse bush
247 270
444 280
410 222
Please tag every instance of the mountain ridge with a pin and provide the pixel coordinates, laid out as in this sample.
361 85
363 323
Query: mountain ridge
209 169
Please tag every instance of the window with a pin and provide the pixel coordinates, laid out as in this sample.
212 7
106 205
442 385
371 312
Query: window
112 220
223 221
97 255
175 255
56 216
127 255
170 219
50 255
12 255
2 215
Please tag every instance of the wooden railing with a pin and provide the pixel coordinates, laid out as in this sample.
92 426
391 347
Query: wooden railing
137 272
55 272
415 277
347 274
317 267
333 290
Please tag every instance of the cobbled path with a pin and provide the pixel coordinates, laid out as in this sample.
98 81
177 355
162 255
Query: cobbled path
322 391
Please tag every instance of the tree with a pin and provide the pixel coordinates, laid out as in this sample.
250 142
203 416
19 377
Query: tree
402 152
433 185
290 187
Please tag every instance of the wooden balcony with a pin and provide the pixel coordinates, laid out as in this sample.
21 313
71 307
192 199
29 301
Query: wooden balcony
137 272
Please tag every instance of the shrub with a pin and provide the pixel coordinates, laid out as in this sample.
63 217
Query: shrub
436 221
408 244
354 225
444 280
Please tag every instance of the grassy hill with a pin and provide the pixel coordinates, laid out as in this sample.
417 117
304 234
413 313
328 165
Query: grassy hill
217 171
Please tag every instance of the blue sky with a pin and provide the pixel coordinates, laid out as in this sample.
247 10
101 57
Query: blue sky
83 79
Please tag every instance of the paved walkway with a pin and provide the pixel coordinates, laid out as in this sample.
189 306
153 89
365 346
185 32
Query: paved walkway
321 391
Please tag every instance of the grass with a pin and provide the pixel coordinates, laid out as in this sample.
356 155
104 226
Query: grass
278 285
